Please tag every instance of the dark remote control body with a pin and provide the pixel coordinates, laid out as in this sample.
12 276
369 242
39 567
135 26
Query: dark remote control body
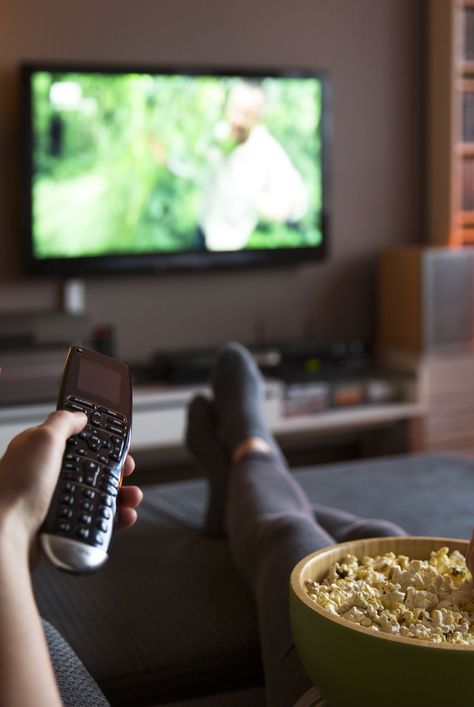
79 527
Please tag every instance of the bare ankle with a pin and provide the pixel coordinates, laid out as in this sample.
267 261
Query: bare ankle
249 445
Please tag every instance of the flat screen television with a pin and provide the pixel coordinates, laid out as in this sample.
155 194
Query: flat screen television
149 169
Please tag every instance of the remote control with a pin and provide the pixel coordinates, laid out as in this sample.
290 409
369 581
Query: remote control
79 527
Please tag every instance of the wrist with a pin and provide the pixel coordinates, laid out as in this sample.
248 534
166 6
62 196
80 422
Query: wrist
14 538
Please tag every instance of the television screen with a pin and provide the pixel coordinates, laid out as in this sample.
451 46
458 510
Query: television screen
131 169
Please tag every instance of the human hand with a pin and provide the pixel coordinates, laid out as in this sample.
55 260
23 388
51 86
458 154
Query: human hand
129 499
28 473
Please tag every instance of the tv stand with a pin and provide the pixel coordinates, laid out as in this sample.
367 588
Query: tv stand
160 418
297 361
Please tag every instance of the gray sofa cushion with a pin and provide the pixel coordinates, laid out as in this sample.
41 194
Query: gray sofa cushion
168 618
425 494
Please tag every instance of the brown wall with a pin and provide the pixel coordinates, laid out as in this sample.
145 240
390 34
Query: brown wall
373 51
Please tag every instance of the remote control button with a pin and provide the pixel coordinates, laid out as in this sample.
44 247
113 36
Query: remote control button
63 527
81 451
99 538
88 493
67 500
102 459
65 512
112 413
87 505
85 434
106 444
69 466
112 480
74 406
106 500
105 512
73 475
110 490
102 525
96 418
115 471
83 533
117 430
115 421
81 401
94 442
85 518
72 442
70 488
115 456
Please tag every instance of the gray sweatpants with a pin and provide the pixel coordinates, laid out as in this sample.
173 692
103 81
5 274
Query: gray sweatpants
271 525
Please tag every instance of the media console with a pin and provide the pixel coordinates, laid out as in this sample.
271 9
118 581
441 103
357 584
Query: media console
160 417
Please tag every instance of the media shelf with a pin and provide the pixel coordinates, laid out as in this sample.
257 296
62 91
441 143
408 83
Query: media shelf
160 418
450 148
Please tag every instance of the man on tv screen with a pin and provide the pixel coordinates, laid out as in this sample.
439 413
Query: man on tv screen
254 180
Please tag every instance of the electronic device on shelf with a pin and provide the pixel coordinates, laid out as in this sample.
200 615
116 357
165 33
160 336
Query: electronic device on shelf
79 527
291 362
139 168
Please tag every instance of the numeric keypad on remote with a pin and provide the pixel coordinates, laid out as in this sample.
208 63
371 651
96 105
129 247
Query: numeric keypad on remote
91 474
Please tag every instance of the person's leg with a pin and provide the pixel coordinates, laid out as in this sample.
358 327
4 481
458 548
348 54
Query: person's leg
270 526
269 521
212 457
344 526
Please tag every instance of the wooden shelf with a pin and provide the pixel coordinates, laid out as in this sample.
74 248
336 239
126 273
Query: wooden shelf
159 416
450 119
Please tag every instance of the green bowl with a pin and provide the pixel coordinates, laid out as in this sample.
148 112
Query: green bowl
354 666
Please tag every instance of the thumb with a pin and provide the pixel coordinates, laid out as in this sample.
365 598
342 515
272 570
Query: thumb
65 423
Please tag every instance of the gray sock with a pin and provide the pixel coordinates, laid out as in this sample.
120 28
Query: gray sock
239 390
213 458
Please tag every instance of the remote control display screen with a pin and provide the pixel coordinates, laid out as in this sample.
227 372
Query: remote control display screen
99 380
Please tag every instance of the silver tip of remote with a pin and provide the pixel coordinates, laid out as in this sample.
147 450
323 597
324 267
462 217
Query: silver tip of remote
72 555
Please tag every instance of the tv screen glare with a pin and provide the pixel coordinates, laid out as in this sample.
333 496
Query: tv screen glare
131 169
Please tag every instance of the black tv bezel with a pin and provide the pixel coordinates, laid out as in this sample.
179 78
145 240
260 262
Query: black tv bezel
186 261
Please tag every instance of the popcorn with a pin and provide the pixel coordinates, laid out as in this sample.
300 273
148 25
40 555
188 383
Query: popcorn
432 600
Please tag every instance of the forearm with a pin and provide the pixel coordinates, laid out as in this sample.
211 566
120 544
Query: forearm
26 673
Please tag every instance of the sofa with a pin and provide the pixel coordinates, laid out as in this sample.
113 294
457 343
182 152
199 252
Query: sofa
168 620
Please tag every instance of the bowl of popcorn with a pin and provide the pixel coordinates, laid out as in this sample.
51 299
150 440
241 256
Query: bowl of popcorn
387 622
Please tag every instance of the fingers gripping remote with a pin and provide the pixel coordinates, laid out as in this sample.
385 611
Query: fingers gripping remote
79 527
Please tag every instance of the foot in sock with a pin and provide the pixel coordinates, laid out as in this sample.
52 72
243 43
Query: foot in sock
344 526
212 456
238 391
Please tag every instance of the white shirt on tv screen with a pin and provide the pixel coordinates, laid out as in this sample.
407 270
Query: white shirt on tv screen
257 180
